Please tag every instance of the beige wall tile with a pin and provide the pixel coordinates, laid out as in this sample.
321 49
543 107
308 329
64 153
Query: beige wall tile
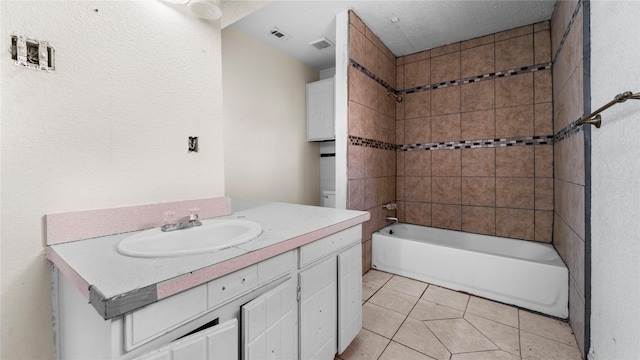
417 131
447 216
577 314
417 105
479 191
514 90
542 46
515 223
445 128
445 67
544 161
517 161
417 163
418 213
417 56
514 53
400 188
445 101
514 121
355 158
445 163
542 86
445 49
543 114
355 21
528 29
417 74
543 25
418 188
477 60
479 162
400 128
366 256
515 193
479 220
477 125
478 95
544 194
445 190
356 194
489 39
400 77
544 226
357 45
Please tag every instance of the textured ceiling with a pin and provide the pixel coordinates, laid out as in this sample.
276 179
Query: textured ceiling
421 25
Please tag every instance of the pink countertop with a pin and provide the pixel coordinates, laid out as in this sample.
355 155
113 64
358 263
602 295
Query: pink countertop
115 283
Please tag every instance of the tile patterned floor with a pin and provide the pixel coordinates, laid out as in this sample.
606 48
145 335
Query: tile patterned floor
405 319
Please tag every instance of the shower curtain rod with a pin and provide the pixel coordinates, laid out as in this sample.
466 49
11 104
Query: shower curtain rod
595 119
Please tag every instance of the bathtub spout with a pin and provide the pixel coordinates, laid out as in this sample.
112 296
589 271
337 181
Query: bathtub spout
394 219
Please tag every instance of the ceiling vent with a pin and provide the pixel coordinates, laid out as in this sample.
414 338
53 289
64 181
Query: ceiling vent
322 43
276 33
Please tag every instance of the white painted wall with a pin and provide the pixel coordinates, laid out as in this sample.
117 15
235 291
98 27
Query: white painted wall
108 127
615 281
267 156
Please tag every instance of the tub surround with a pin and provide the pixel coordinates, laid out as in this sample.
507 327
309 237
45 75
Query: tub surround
115 284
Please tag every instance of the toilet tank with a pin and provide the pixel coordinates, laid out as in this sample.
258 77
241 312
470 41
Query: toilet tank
329 198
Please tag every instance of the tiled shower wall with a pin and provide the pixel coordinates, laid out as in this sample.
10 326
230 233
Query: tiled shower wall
469 148
371 148
475 131
569 149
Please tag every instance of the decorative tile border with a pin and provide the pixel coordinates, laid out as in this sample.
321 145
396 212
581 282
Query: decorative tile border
567 132
373 76
359 141
452 145
462 81
472 79
328 155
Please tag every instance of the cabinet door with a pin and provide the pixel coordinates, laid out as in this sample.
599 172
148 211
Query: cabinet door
217 343
318 310
269 325
349 296
320 110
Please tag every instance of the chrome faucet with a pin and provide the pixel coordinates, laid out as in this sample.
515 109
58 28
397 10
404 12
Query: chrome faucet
184 223
390 218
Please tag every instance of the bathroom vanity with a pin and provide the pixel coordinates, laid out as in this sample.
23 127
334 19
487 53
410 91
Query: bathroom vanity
294 292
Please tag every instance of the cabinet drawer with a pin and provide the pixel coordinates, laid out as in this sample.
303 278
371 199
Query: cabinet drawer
276 266
325 246
229 286
151 321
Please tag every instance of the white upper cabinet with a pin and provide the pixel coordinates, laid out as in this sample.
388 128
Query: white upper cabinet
320 110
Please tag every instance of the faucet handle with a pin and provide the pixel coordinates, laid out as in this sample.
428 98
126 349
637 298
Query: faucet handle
193 213
168 218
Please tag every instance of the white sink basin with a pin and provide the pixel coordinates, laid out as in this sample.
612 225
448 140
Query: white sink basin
212 235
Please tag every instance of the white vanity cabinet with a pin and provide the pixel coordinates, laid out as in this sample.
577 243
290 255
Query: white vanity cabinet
303 304
331 294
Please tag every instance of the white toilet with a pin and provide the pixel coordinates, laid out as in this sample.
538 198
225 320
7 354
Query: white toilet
329 198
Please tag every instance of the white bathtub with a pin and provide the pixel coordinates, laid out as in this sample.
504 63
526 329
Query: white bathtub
523 273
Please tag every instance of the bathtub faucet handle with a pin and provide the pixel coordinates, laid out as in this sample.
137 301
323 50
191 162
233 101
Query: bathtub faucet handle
390 206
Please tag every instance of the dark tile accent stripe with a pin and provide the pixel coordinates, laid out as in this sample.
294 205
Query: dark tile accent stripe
567 30
467 80
373 76
567 132
451 145
359 141
328 155
472 79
